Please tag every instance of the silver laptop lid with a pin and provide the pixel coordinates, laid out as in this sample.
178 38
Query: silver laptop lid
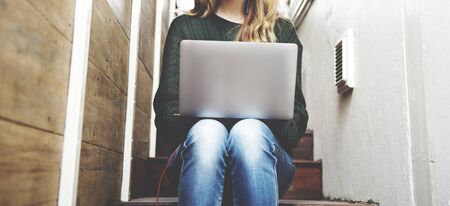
230 79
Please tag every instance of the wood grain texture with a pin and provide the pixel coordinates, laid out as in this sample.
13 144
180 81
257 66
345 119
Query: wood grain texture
58 12
105 106
109 45
141 135
100 176
144 82
104 115
144 85
29 165
304 149
34 65
307 182
147 33
122 11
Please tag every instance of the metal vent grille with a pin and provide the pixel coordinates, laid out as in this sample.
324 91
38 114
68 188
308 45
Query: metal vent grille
338 65
343 64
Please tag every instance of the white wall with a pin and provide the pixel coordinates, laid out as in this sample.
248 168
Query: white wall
436 66
363 138
386 141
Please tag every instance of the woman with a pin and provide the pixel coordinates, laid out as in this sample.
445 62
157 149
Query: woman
257 162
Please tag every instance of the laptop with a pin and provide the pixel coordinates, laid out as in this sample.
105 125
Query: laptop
230 79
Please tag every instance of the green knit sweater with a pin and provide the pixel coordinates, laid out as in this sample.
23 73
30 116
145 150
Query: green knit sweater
170 127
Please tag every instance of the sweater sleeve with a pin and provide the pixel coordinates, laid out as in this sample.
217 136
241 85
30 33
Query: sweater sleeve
297 126
166 98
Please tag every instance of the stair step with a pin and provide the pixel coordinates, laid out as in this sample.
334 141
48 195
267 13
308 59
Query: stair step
306 185
307 182
305 147
171 201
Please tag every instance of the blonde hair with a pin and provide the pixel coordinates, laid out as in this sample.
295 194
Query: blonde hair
258 25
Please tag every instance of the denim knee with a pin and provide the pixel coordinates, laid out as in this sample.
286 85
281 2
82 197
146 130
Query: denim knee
251 137
205 139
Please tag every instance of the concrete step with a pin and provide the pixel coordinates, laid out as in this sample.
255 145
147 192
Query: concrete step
172 201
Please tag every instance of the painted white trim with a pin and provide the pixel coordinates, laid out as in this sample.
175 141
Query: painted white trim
183 6
156 73
172 10
75 104
298 10
131 97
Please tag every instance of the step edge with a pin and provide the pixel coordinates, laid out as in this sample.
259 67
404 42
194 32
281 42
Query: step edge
171 200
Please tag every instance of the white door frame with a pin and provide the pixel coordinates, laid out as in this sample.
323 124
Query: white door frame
156 73
75 104
131 98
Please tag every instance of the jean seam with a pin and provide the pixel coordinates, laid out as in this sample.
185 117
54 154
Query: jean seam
274 145
223 182
290 160
182 166
291 164
222 187
286 156
276 172
233 191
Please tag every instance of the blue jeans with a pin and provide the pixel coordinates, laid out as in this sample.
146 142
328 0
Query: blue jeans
260 169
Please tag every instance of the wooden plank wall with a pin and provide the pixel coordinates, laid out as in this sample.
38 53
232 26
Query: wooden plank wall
144 176
101 159
140 176
36 37
34 63
103 133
